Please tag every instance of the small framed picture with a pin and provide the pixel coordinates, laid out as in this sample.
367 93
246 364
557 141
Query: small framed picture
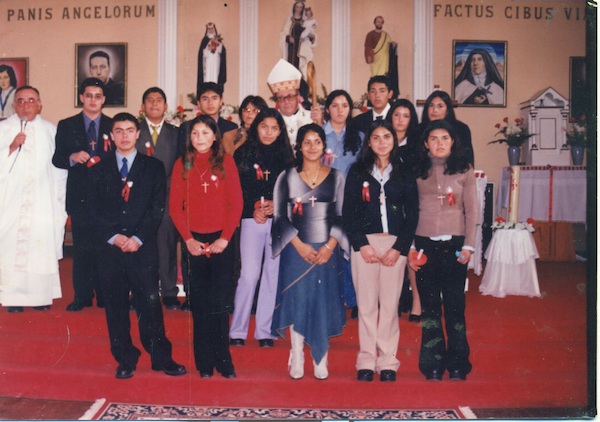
107 62
479 73
577 90
14 72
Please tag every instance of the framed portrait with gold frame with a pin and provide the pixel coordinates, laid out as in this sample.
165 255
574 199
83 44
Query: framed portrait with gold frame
14 72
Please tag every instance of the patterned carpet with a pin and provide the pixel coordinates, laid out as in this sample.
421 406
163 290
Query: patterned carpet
120 411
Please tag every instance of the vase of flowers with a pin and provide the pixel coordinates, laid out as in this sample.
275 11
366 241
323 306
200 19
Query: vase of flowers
577 138
513 135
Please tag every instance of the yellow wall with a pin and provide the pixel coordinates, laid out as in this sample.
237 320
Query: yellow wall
537 55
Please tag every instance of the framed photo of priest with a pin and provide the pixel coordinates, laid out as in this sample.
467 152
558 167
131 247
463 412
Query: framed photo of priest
14 72
479 73
107 62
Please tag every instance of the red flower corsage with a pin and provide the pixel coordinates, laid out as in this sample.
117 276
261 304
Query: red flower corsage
297 206
149 149
126 190
328 157
259 173
450 196
366 195
107 145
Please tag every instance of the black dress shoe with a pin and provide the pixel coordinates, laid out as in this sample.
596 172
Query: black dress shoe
124 371
364 375
458 375
15 309
267 342
229 374
171 303
434 375
206 374
78 305
387 375
42 308
354 312
185 306
414 318
170 368
237 342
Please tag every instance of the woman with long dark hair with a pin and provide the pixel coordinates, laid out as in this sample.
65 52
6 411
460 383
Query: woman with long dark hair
343 144
446 233
439 106
266 153
206 205
249 109
307 232
380 216
404 119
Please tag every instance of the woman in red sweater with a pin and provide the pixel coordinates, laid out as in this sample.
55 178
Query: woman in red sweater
206 206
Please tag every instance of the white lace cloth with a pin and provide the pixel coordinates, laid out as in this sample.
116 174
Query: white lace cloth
510 268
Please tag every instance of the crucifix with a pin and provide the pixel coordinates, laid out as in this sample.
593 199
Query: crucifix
93 144
266 173
312 199
205 185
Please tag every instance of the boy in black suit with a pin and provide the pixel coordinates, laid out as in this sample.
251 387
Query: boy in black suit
81 141
127 202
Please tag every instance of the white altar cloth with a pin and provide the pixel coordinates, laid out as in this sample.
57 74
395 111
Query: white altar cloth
510 268
566 184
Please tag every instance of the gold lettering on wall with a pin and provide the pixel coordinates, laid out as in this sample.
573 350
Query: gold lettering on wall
82 13
528 13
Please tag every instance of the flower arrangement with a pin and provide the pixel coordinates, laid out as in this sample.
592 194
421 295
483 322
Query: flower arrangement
577 131
501 224
513 135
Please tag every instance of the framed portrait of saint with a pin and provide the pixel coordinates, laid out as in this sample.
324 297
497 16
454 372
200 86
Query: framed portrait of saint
14 72
479 73
107 62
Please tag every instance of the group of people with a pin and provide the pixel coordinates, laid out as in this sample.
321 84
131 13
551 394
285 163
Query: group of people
324 210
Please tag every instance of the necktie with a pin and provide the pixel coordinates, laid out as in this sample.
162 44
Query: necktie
154 133
91 136
124 170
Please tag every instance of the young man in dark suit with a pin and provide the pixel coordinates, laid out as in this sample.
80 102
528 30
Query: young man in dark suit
158 139
127 202
379 95
81 141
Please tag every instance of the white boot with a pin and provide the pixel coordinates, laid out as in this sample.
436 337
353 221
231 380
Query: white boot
296 361
321 372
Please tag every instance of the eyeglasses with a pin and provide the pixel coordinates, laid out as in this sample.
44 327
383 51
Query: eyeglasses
22 101
290 97
252 110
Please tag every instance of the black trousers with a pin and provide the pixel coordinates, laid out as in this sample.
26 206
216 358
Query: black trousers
137 272
167 255
210 291
441 283
85 260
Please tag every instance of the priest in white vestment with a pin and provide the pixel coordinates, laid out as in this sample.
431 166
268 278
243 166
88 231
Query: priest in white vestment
32 207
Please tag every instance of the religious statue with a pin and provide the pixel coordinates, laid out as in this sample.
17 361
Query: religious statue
212 59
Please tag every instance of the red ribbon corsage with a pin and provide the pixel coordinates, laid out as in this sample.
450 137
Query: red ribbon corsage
259 173
149 149
366 195
93 160
215 180
328 157
297 207
450 196
107 145
126 190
